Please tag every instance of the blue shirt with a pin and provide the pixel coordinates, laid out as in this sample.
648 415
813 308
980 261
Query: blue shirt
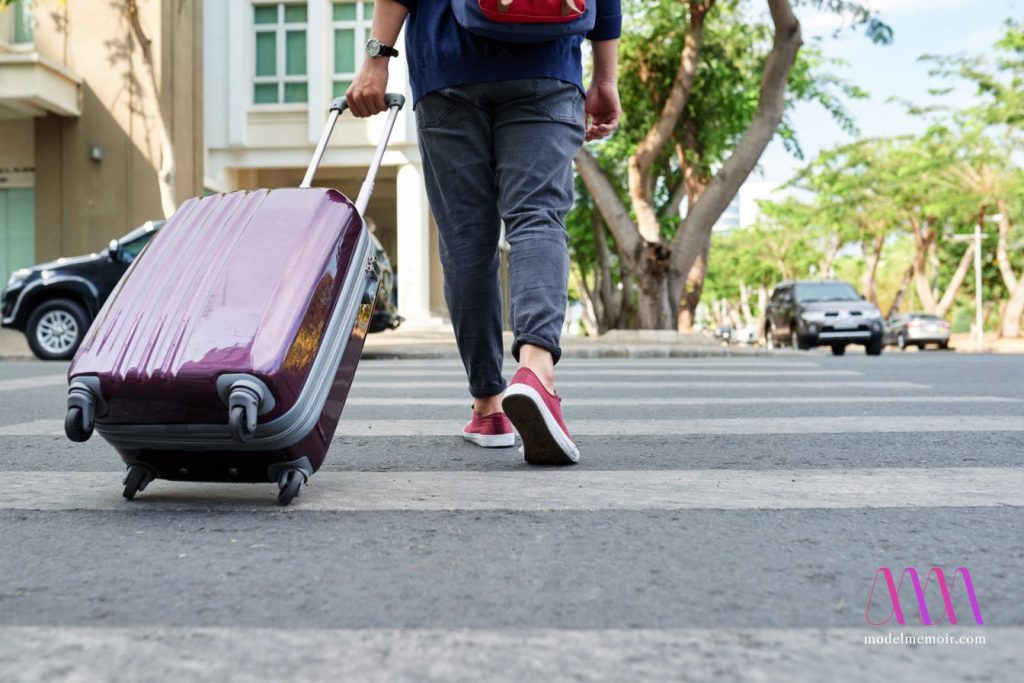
442 54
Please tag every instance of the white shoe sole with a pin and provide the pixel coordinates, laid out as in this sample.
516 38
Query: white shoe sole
544 442
490 440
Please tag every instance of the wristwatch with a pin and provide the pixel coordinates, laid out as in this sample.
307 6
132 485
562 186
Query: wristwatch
375 48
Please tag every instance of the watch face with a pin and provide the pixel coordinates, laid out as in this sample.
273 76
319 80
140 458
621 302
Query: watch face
373 47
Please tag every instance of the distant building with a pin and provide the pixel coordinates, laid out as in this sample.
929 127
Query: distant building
743 210
77 158
272 69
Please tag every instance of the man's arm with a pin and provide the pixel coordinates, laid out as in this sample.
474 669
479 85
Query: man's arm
602 105
366 94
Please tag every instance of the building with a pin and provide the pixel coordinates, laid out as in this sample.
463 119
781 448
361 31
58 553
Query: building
272 69
78 157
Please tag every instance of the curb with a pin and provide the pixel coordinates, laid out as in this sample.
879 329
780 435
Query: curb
618 351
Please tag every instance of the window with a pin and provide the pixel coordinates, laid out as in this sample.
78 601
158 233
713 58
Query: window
351 22
279 55
17 26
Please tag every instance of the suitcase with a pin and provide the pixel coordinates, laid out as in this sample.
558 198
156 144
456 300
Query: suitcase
227 350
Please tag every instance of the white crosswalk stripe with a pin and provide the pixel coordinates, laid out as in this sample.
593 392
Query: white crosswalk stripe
682 383
640 372
464 655
706 401
560 489
841 424
37 382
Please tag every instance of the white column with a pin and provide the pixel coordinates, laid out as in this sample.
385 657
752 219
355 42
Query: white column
317 61
239 82
413 247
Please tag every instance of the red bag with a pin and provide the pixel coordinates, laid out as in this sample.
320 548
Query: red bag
525 21
533 11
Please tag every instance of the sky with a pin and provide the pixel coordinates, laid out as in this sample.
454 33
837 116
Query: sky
919 27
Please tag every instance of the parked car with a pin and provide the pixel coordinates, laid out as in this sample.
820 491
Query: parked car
745 335
809 313
54 303
916 329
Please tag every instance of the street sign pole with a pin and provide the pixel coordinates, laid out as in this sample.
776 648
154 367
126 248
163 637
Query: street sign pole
978 322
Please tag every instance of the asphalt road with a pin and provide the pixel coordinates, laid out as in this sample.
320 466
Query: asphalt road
726 522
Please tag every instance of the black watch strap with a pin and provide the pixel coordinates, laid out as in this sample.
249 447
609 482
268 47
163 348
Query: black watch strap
387 51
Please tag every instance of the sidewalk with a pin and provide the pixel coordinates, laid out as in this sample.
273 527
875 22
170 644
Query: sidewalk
440 343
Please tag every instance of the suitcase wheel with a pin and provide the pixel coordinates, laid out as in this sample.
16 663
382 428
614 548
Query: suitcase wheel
238 420
290 484
75 427
136 480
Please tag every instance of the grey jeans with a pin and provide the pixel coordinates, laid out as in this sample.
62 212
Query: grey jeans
497 152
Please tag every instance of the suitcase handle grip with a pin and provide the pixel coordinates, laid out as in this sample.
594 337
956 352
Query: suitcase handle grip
391 99
395 102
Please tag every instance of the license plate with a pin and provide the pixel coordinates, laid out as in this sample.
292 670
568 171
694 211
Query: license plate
844 326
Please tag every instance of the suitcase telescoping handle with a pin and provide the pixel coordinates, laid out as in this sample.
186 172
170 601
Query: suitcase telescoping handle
395 102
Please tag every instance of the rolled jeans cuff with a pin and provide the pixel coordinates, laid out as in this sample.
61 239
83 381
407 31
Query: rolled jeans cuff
487 390
553 348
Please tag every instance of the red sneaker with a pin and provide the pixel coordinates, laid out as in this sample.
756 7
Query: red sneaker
489 431
536 414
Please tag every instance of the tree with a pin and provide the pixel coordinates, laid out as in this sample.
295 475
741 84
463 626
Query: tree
694 132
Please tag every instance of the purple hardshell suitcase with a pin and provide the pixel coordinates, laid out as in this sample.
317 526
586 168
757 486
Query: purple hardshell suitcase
227 350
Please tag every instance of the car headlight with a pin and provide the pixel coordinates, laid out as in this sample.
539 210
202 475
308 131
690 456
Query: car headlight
872 313
812 316
18 278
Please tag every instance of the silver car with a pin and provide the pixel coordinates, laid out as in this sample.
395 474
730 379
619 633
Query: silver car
916 329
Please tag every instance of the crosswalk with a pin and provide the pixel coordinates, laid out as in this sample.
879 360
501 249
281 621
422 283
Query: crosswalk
767 557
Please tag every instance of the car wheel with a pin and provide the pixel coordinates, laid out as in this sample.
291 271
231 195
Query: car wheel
875 346
55 329
795 341
944 345
769 339
901 341
838 349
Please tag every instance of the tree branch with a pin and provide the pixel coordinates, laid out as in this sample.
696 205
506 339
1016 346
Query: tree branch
622 227
640 184
954 284
687 245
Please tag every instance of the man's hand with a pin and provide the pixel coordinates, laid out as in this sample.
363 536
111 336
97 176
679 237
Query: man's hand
602 109
366 94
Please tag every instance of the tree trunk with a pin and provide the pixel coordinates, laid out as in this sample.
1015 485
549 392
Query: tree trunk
923 238
897 301
830 257
692 291
1011 322
872 255
942 308
762 310
168 167
1002 254
688 245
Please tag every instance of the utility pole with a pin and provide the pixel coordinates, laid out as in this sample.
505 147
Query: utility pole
977 237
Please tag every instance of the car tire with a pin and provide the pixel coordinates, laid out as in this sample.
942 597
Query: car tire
839 349
795 341
769 339
875 346
56 328
944 345
901 341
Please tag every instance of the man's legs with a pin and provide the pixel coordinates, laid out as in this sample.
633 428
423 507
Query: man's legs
457 149
538 128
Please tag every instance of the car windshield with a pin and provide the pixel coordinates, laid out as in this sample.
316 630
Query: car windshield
825 291
131 248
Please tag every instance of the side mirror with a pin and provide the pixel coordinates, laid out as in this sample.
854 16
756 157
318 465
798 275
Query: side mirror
114 249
